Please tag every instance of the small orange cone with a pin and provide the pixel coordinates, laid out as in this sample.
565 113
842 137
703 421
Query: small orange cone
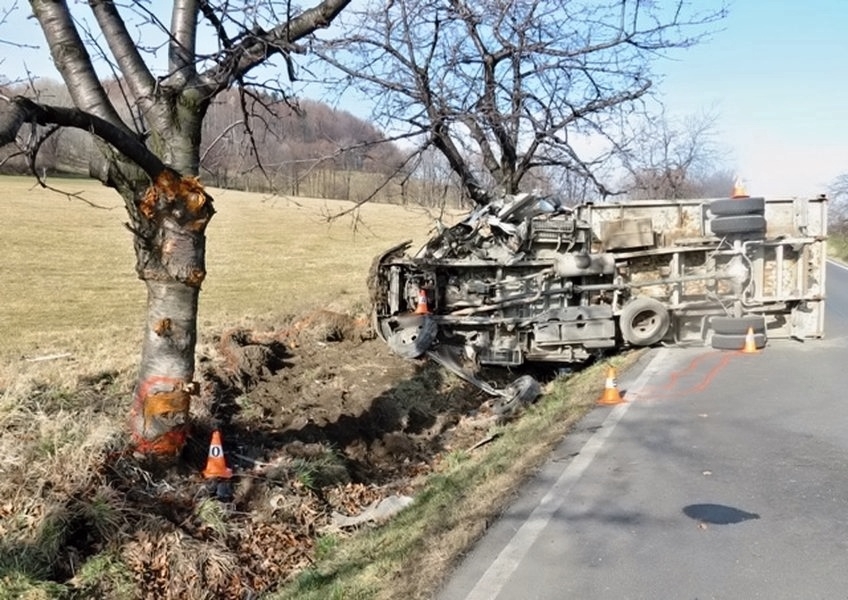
750 343
739 190
422 308
610 395
216 466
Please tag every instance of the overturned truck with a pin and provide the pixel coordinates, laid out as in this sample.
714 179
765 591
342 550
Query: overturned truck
527 279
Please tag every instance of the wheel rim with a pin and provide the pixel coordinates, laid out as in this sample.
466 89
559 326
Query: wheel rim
646 323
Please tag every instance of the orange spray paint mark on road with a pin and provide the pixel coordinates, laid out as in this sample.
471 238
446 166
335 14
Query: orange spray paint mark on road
673 387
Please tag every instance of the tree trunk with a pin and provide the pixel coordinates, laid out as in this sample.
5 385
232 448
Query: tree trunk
170 244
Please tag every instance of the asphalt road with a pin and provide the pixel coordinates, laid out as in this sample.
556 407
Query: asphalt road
724 476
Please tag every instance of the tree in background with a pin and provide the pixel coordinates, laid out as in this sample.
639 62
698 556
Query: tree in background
259 142
149 150
513 87
251 141
46 148
838 205
668 159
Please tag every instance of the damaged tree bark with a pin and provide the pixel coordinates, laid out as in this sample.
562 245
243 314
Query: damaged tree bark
158 142
170 253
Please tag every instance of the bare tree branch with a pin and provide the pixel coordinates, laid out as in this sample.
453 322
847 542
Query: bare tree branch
513 86
21 110
665 158
181 47
73 61
259 45
125 51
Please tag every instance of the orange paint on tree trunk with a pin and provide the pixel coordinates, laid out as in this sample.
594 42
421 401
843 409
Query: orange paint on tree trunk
195 278
170 404
177 210
169 444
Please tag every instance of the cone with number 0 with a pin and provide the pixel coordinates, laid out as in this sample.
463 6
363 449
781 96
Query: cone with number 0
610 395
216 465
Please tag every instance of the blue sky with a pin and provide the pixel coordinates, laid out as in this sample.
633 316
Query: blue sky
776 76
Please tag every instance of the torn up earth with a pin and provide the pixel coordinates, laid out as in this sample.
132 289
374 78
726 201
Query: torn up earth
325 429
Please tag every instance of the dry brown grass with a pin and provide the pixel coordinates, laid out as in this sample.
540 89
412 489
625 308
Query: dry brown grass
69 289
72 313
454 509
68 270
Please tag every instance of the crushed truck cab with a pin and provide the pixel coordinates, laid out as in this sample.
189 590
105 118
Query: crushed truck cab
525 278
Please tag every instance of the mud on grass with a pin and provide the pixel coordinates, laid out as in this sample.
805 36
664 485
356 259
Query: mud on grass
317 417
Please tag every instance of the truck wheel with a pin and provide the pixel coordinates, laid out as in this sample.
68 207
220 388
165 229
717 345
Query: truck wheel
738 224
722 341
644 321
737 206
521 392
738 326
414 337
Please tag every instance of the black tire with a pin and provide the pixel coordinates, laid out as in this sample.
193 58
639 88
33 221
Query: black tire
644 321
737 206
738 224
414 337
722 341
521 392
738 326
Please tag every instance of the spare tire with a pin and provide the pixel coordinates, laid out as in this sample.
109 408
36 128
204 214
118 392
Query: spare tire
644 321
738 224
737 206
738 326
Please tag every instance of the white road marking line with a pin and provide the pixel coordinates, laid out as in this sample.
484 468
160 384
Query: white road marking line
837 264
496 576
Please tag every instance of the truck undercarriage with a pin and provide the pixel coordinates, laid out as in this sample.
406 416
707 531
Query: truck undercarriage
525 279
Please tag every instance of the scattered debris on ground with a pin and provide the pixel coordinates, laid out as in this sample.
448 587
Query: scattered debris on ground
326 431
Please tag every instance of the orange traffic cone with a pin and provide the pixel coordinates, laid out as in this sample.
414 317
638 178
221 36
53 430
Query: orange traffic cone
610 395
216 466
422 308
739 190
750 343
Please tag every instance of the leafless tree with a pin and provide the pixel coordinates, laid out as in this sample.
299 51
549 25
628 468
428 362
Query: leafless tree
716 184
149 149
46 148
519 85
5 13
671 159
838 205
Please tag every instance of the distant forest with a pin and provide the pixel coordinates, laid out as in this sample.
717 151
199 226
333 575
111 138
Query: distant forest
257 142
261 142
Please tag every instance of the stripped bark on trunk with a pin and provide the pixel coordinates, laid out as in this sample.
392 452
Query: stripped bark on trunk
154 164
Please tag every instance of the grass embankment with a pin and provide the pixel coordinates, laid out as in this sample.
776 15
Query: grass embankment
69 291
837 247
408 557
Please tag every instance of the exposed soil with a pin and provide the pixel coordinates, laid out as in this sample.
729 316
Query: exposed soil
325 384
318 419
